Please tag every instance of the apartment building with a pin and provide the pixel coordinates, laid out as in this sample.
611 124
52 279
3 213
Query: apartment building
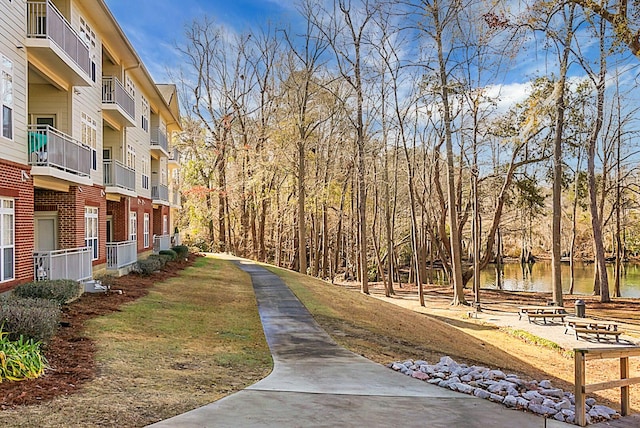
84 147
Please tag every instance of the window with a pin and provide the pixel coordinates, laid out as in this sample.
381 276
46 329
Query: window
131 156
133 226
165 224
89 37
91 230
130 87
145 114
146 230
145 174
6 96
7 233
89 138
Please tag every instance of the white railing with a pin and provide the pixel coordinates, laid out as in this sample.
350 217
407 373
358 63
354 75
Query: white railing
63 264
114 93
121 254
52 148
159 138
175 197
44 21
161 242
159 192
177 240
117 174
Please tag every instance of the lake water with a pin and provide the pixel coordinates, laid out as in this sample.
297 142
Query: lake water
539 278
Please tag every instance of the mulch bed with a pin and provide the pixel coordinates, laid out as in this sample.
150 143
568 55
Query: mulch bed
71 354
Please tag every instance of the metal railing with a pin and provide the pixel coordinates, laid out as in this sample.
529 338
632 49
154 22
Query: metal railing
174 196
159 138
63 264
44 21
159 192
117 174
113 92
121 254
52 148
161 242
174 154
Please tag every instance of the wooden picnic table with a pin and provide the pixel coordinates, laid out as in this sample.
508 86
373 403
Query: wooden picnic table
599 328
542 312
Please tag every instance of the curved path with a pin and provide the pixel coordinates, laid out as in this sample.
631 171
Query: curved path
317 383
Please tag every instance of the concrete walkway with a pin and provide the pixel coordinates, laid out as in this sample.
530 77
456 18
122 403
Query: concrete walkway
316 383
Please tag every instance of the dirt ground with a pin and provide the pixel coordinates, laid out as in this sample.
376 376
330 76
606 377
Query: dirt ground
70 354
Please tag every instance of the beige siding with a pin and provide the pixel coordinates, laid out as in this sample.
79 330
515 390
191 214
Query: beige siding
88 99
13 25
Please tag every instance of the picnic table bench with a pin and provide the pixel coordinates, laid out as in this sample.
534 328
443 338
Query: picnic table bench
600 328
542 312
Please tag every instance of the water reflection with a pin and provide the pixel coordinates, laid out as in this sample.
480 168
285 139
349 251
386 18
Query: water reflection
537 277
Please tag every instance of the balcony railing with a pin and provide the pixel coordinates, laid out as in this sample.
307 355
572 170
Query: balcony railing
49 147
174 196
159 139
114 93
161 242
174 155
121 254
159 192
63 264
44 21
116 174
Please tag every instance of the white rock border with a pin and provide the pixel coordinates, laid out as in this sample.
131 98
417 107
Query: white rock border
533 396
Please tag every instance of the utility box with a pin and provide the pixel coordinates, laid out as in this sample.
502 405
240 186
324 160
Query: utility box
580 308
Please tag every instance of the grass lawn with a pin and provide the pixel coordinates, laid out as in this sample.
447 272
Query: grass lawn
192 340
197 337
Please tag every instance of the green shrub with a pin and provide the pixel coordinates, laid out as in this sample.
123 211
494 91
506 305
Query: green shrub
163 258
21 359
35 319
169 253
182 251
60 290
147 266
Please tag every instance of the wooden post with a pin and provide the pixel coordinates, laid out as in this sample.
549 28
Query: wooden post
580 379
624 391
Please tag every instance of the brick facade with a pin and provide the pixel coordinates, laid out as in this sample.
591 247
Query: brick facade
158 213
141 206
18 185
70 208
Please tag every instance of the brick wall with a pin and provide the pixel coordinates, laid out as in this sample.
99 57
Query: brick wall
158 213
141 206
19 188
70 208
120 217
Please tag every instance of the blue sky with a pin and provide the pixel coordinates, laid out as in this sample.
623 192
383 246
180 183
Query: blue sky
155 26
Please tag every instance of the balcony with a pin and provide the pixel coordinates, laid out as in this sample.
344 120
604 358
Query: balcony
174 156
159 193
159 143
121 254
63 264
57 155
119 178
55 48
118 106
174 197
161 242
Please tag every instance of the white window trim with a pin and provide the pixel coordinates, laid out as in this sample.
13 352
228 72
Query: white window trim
90 137
92 234
146 230
7 208
6 72
165 224
133 226
145 114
